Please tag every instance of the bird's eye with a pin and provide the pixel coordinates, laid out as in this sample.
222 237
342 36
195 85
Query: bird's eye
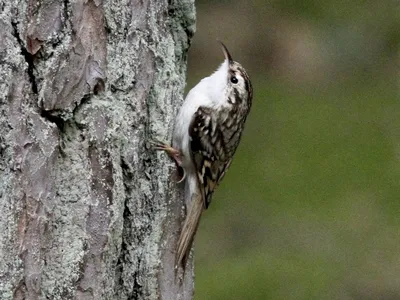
234 80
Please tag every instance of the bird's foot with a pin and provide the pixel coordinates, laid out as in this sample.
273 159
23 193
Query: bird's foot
174 154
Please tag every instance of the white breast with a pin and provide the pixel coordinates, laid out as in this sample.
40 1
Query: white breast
209 92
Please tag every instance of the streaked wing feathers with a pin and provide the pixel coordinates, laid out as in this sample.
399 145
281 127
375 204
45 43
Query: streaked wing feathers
208 151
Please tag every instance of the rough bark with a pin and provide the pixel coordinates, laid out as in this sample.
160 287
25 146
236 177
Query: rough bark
88 210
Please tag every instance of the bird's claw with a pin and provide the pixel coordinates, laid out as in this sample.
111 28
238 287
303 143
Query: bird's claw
157 145
183 176
173 153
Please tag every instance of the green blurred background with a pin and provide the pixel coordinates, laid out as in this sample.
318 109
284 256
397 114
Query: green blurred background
310 207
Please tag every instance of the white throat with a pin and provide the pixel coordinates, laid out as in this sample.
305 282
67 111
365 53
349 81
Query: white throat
215 84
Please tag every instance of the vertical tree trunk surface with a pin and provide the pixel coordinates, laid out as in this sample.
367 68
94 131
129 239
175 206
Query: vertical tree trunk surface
88 210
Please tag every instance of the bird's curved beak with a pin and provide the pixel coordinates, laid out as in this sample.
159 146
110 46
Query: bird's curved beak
226 52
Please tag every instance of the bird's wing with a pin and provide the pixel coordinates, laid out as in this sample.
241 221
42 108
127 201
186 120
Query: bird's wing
209 152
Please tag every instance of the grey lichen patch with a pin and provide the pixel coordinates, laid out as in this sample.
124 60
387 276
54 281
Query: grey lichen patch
183 24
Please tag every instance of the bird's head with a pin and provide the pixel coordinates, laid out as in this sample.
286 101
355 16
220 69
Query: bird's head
238 85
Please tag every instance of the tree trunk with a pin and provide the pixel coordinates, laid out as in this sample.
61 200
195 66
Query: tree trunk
88 210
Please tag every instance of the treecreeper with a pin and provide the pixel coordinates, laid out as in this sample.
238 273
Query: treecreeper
207 132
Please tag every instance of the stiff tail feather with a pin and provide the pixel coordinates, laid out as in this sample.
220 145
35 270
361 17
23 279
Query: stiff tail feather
189 229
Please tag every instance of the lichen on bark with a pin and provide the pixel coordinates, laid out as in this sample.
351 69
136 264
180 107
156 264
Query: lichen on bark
88 209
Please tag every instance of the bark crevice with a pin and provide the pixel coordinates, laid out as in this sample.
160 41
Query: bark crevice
125 262
29 58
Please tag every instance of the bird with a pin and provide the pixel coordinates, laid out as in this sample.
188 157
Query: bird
207 132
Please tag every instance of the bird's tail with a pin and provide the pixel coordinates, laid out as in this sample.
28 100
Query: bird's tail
189 229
